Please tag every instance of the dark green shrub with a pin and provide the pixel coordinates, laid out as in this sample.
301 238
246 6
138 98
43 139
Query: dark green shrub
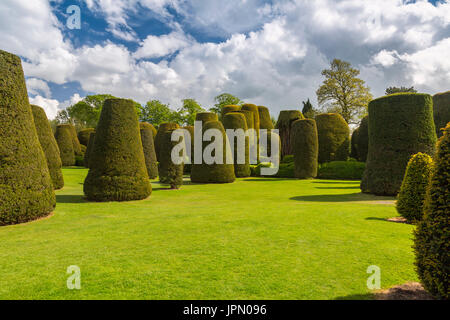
253 108
414 186
400 125
353 151
49 146
64 139
79 161
305 148
249 119
334 137
149 149
89 148
284 125
265 122
228 109
169 172
432 236
26 188
163 127
360 141
117 169
235 121
441 111
206 117
75 141
341 170
83 136
214 173
189 152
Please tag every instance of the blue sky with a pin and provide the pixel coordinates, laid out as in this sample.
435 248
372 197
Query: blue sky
266 52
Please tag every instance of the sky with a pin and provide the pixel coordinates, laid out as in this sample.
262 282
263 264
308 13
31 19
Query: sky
265 52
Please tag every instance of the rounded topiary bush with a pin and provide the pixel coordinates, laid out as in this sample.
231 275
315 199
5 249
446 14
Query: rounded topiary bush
64 139
400 125
189 151
163 127
414 186
117 169
75 141
26 189
169 172
432 236
305 148
215 172
228 109
89 148
284 125
441 111
253 108
334 137
204 117
83 136
49 146
149 149
265 122
236 121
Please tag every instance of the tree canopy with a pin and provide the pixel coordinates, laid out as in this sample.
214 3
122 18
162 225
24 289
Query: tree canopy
393 90
223 100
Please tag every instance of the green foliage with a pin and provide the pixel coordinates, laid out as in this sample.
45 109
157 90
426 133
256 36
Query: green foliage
222 100
400 125
26 189
253 108
305 148
169 172
227 109
341 170
83 136
432 236
206 117
414 186
89 149
64 139
158 138
334 137
235 120
249 119
393 90
360 141
156 113
117 164
187 113
308 110
189 152
265 119
75 142
49 146
284 125
342 92
441 111
149 149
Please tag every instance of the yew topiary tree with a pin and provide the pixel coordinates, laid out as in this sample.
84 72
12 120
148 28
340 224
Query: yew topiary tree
189 151
169 172
334 137
362 140
117 170
83 136
253 108
49 146
236 121
149 149
76 143
432 236
26 189
229 108
441 111
265 122
163 127
400 125
89 148
284 125
305 148
64 139
206 117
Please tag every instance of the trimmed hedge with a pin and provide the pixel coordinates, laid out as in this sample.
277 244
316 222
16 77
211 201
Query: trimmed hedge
432 236
149 149
169 172
341 170
305 148
206 117
360 141
49 146
83 136
163 127
414 186
265 122
214 173
75 141
253 108
334 137
26 191
228 109
400 125
284 125
64 139
189 153
441 111
89 148
235 121
117 164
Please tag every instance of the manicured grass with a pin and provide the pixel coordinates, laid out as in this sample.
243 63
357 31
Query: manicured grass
254 239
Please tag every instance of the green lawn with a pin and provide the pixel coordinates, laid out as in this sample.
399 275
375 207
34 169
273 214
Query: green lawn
253 239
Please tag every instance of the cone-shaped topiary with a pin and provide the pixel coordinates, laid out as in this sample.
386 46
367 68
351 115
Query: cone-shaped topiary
149 149
189 152
117 169
334 137
83 136
249 119
400 125
89 148
206 117
414 186
305 144
64 139
353 151
75 141
26 189
49 146
432 236
216 172
169 172
265 122
235 120
284 125
228 109
163 127
361 142
441 111
253 108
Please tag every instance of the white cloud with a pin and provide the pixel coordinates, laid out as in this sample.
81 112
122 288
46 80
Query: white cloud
385 58
159 46
49 105
36 86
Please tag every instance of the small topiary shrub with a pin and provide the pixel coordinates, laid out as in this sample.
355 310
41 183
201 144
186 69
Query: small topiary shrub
341 170
400 125
83 136
235 121
432 236
206 117
26 188
253 108
117 164
334 137
305 148
49 146
228 109
75 141
64 139
169 172
89 148
413 190
284 125
265 122
149 149
441 111
163 127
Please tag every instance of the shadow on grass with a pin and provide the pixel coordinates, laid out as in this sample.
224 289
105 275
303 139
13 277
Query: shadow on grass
70 198
367 296
348 197
376 219
267 179
354 187
337 182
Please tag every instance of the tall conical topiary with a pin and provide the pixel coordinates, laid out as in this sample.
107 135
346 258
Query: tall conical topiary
305 144
265 122
75 141
89 148
26 189
64 139
400 125
154 131
214 173
253 108
189 151
228 109
169 172
237 121
149 149
284 125
49 146
432 236
206 117
83 136
117 169
441 111
334 137
414 186
163 127
362 140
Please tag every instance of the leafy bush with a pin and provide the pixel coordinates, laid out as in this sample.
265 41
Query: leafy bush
305 148
265 122
235 121
83 136
206 117
334 137
441 111
163 127
149 149
341 170
284 125
64 139
75 141
169 172
89 148
229 108
189 153
360 141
